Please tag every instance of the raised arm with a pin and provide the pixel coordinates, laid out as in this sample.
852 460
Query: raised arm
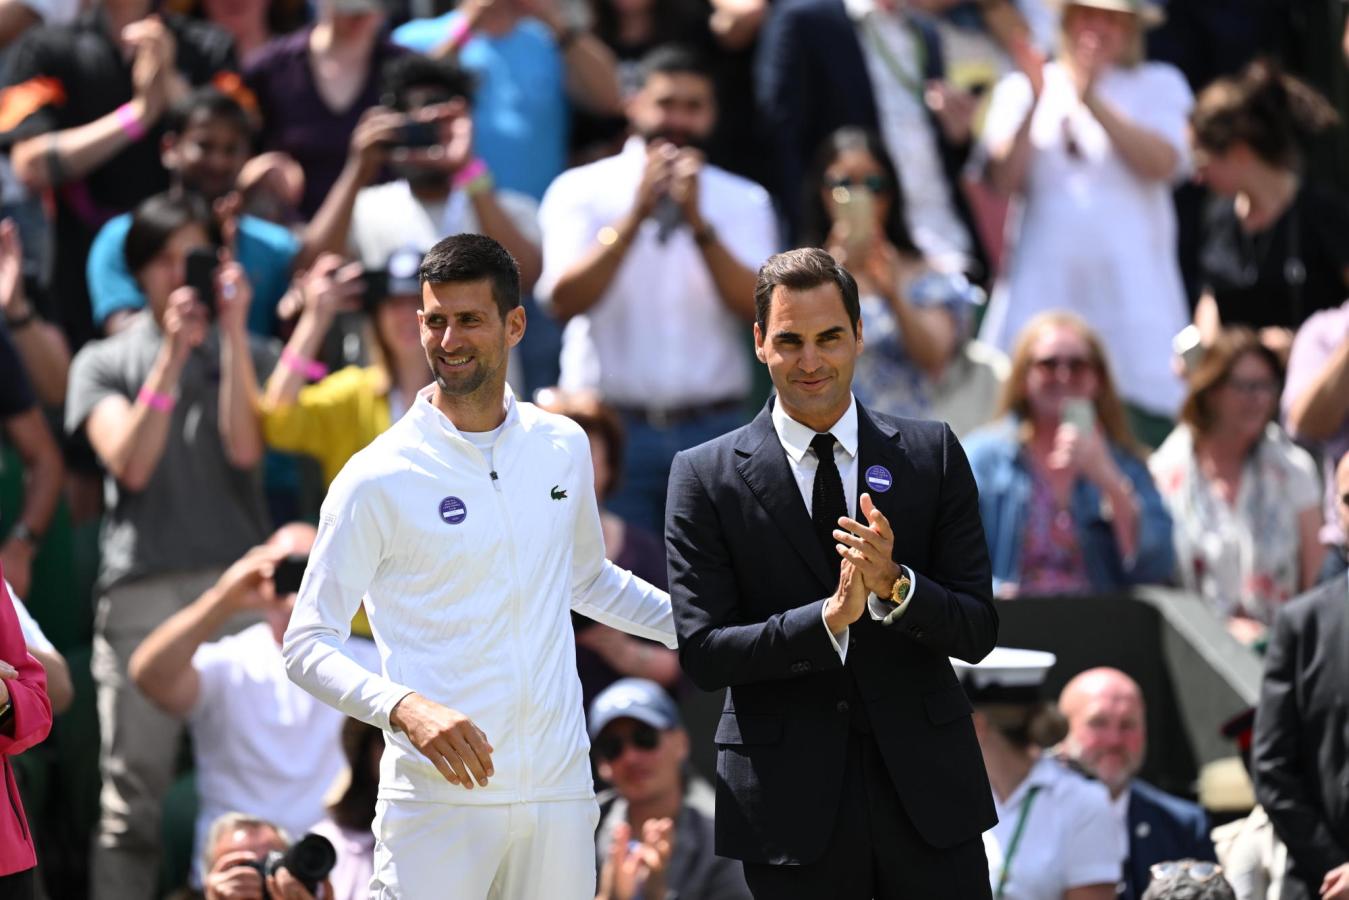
240 430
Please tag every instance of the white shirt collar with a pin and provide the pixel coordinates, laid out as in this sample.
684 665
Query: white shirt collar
796 438
859 9
424 404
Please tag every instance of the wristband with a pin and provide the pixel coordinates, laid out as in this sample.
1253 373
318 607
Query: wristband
156 400
130 123
306 368
474 169
459 34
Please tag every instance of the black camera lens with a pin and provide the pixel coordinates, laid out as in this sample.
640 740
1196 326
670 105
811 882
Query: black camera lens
309 859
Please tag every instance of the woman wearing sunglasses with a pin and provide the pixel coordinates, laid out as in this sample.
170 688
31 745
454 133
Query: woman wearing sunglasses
1246 500
1067 502
916 316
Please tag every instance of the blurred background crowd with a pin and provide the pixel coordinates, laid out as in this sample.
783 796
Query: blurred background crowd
1105 239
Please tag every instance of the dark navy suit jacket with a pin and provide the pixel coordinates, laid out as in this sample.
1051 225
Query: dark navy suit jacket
1161 827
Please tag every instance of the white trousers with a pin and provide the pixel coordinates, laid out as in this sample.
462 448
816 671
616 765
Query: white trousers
516 851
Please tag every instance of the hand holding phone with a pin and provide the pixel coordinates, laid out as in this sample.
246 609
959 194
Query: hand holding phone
201 266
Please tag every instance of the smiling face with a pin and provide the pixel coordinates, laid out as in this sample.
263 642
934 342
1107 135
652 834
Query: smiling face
811 350
467 342
1107 732
1060 367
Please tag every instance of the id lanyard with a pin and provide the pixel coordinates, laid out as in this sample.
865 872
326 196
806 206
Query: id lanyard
1015 842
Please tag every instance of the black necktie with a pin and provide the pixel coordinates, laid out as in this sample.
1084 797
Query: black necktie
827 503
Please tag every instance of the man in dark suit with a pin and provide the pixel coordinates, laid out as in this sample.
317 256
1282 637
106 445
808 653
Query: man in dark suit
825 561
1107 737
1298 757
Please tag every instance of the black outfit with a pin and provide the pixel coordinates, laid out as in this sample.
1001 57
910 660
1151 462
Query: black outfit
65 76
16 392
843 781
1280 276
1298 758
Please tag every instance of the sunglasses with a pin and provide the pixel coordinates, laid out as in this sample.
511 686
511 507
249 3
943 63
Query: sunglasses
1198 870
877 184
610 747
1076 365
1255 388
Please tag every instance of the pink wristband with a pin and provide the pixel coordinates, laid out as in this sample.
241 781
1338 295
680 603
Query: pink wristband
130 123
460 34
307 368
156 400
475 169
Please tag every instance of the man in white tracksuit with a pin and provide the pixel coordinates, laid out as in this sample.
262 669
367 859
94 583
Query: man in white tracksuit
471 530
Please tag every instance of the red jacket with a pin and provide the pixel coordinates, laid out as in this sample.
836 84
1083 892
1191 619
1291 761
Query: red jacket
30 723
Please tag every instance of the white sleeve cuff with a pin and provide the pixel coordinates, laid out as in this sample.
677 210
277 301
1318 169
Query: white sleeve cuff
887 613
840 641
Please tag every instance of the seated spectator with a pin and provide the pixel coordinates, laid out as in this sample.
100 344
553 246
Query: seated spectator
1107 737
441 190
235 844
260 744
1091 145
604 654
25 720
84 124
1188 879
916 319
168 405
641 749
531 63
1316 411
350 819
650 258
206 142
1274 247
1056 838
333 418
1068 507
312 87
40 344
1244 498
60 689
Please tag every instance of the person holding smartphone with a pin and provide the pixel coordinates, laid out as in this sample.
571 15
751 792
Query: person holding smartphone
1066 498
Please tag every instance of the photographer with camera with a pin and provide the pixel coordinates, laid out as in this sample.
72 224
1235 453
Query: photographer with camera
248 858
260 744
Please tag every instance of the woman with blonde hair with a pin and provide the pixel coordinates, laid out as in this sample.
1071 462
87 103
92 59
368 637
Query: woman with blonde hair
1068 505
1245 499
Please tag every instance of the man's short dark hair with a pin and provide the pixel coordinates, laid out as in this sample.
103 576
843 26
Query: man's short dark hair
462 258
156 219
206 103
801 270
401 75
674 59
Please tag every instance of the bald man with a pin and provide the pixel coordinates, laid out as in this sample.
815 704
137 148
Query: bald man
1107 736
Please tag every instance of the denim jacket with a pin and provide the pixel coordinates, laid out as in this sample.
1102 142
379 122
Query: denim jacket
1002 471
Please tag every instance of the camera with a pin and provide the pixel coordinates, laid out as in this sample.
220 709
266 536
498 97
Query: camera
309 859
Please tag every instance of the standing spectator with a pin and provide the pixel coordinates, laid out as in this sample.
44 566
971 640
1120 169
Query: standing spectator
207 136
531 63
351 818
260 744
84 111
642 749
1298 762
1090 145
1107 736
1274 245
1068 505
168 406
1316 411
650 257
1243 498
313 86
917 319
25 719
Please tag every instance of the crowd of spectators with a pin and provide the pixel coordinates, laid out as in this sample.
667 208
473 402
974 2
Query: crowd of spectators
1115 259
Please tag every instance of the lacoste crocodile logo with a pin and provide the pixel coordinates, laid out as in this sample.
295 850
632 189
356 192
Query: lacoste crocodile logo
557 494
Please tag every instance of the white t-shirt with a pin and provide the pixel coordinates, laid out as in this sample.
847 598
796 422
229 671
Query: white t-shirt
262 745
32 632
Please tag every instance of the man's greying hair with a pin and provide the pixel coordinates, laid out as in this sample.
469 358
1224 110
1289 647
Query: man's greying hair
801 270
462 258
674 59
229 822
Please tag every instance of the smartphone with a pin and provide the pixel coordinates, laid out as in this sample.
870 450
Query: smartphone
857 208
1079 411
201 265
1188 344
289 573
415 133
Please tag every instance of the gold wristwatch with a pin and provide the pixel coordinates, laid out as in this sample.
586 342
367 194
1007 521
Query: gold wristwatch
901 589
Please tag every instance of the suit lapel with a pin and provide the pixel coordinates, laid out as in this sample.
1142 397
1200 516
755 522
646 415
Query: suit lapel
768 473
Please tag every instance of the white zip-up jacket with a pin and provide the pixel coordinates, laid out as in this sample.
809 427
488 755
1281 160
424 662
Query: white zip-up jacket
469 578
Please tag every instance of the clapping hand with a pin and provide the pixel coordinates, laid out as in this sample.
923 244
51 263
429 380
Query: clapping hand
637 869
869 547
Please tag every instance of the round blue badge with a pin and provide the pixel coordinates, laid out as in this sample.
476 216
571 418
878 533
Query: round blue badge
878 479
453 511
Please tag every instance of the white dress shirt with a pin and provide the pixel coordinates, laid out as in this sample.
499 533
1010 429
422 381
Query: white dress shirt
660 336
795 439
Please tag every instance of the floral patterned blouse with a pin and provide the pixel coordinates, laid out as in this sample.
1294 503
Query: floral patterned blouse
1051 556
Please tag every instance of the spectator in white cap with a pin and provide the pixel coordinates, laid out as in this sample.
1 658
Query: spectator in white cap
1056 838
655 834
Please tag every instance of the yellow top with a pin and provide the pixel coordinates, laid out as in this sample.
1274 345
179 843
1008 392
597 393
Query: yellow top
333 418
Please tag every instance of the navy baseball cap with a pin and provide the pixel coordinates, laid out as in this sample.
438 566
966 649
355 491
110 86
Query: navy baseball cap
633 698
